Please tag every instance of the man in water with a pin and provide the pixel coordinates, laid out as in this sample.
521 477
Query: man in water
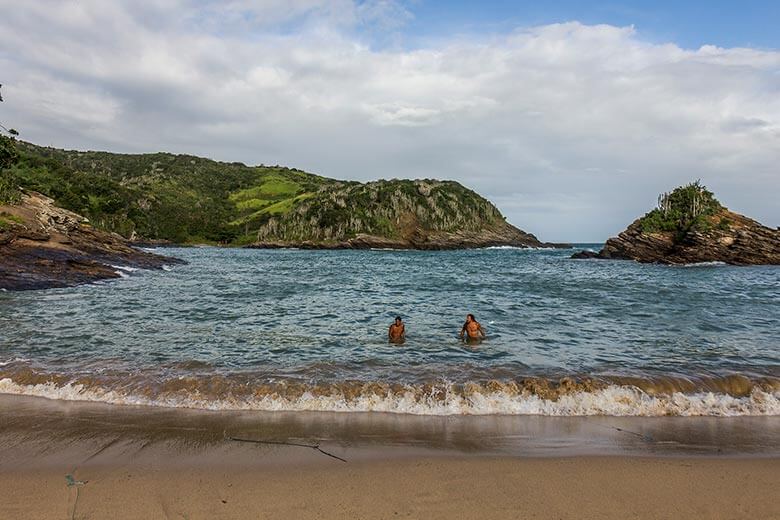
397 331
472 329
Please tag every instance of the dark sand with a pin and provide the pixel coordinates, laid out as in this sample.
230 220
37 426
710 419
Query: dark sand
140 462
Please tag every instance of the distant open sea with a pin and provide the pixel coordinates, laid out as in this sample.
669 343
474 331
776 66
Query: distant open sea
307 330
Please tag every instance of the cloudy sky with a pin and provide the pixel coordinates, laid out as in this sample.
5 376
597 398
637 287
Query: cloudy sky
570 116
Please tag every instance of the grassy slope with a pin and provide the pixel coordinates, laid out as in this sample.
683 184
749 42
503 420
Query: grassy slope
189 199
180 198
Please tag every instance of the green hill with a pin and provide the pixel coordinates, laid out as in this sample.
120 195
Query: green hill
188 199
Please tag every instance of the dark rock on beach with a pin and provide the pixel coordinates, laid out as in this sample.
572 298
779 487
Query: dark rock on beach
43 246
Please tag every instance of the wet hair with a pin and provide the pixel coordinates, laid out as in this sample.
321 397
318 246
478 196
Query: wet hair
472 317
398 318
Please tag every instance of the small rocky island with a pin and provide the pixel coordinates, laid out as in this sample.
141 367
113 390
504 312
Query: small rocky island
691 226
43 246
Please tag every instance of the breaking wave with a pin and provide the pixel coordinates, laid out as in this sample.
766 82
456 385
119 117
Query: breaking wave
737 395
702 264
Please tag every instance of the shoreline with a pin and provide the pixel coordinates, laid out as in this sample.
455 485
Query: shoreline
94 460
57 426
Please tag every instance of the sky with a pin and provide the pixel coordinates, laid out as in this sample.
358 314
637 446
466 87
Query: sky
570 116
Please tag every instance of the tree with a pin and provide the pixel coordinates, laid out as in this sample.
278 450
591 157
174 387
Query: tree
8 154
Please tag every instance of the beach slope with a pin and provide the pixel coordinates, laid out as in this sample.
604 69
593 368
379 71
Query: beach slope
81 460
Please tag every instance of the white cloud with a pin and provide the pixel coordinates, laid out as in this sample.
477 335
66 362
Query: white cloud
571 129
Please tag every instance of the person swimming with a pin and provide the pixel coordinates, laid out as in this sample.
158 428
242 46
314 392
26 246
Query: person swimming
397 331
472 329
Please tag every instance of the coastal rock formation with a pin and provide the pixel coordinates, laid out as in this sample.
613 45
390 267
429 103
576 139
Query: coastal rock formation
690 226
395 214
44 246
743 242
422 240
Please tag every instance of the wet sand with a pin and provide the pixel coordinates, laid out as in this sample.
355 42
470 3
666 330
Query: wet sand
138 462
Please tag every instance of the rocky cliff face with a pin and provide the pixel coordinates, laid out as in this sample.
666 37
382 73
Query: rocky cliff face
398 214
44 246
740 241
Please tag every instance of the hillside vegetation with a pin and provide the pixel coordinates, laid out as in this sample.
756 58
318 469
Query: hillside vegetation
391 209
187 199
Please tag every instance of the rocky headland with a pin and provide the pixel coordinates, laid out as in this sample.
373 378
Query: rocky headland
691 226
43 246
163 198
395 214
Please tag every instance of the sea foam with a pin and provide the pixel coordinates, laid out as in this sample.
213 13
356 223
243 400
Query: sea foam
613 400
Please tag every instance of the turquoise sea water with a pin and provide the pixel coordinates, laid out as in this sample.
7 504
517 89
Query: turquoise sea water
306 330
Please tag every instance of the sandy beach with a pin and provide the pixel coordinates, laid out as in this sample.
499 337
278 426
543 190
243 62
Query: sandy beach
81 460
451 487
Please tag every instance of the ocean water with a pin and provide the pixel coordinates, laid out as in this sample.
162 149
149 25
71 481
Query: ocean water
307 330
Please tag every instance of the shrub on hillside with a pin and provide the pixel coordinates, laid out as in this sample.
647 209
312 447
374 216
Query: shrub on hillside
685 209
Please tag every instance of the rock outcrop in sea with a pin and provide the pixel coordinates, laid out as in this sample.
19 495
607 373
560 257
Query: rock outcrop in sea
691 226
43 246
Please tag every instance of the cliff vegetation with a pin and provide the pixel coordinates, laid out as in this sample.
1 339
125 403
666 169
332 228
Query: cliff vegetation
188 199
